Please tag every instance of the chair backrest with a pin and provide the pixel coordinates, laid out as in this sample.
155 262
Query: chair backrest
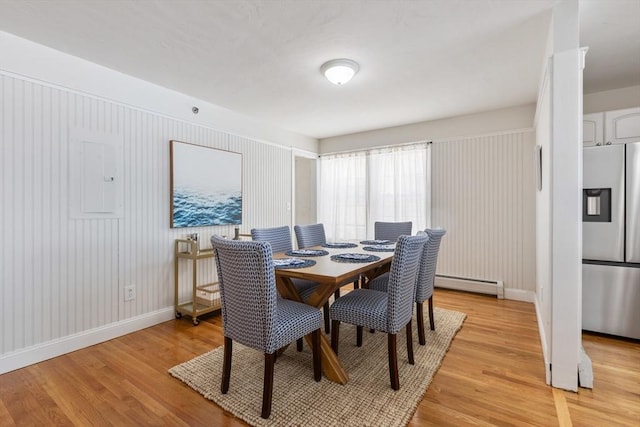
279 237
391 230
402 281
310 235
427 272
247 291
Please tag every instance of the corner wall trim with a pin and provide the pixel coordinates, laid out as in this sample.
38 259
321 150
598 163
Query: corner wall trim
543 341
48 350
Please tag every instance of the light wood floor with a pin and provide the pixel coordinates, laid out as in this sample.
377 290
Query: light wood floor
492 375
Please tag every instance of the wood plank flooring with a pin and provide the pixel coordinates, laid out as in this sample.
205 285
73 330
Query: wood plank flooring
493 375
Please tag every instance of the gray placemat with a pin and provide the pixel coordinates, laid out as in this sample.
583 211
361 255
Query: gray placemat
279 263
380 248
340 245
376 242
354 258
306 252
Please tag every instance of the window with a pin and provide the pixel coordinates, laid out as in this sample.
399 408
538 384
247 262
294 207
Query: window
386 184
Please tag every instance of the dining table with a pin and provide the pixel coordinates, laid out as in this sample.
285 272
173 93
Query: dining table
330 276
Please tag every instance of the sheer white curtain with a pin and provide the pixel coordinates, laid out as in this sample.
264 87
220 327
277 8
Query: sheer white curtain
399 186
387 184
342 201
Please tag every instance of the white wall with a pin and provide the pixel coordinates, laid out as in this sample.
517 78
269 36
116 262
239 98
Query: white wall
482 191
615 99
558 210
487 122
543 221
63 278
34 61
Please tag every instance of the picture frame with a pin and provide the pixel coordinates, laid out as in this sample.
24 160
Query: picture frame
206 186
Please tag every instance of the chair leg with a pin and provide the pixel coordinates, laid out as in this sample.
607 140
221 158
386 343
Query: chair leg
392 349
410 343
299 344
226 365
359 336
420 318
431 320
335 335
327 321
336 294
267 391
317 356
356 283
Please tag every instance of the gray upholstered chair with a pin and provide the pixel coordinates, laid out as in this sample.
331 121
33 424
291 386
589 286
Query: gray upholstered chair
310 235
254 315
424 281
391 230
384 311
280 239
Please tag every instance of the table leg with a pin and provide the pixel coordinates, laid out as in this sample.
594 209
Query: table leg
331 366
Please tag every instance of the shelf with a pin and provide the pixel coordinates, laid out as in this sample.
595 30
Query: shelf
206 296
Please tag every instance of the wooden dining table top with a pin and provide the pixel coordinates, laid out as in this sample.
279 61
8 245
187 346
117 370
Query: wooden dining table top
328 271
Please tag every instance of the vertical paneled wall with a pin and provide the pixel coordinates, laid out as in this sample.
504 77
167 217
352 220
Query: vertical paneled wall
483 193
62 276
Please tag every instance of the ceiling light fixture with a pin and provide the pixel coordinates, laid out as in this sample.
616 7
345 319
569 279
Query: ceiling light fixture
339 71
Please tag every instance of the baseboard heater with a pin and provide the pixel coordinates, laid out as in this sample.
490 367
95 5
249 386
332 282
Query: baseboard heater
491 287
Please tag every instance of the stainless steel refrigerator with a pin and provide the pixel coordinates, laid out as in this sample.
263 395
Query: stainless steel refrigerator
611 240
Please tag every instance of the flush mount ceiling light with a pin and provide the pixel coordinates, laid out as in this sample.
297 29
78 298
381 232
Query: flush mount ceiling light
339 71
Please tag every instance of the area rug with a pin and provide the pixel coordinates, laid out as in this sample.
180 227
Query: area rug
366 400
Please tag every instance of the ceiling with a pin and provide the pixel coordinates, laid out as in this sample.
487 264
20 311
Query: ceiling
419 60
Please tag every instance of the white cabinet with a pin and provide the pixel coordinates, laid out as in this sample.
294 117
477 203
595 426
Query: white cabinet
593 129
611 127
622 126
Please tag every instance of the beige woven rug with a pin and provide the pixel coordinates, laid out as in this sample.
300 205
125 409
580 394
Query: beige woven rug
366 400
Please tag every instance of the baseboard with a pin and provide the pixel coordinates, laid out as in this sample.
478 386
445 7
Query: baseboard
543 342
520 295
585 370
38 353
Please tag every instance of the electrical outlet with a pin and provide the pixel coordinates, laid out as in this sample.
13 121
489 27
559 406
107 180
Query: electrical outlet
130 293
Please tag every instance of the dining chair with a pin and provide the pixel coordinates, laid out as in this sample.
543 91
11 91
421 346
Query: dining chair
280 239
253 314
391 230
424 281
384 311
310 235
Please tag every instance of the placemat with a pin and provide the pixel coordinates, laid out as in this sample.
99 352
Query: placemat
380 248
306 252
376 242
340 245
292 263
354 258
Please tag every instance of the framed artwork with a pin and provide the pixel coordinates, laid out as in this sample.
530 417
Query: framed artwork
206 186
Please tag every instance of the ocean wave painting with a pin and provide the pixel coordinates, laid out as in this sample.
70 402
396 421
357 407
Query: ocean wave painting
206 186
192 207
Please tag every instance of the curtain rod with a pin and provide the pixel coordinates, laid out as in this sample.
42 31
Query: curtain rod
382 147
